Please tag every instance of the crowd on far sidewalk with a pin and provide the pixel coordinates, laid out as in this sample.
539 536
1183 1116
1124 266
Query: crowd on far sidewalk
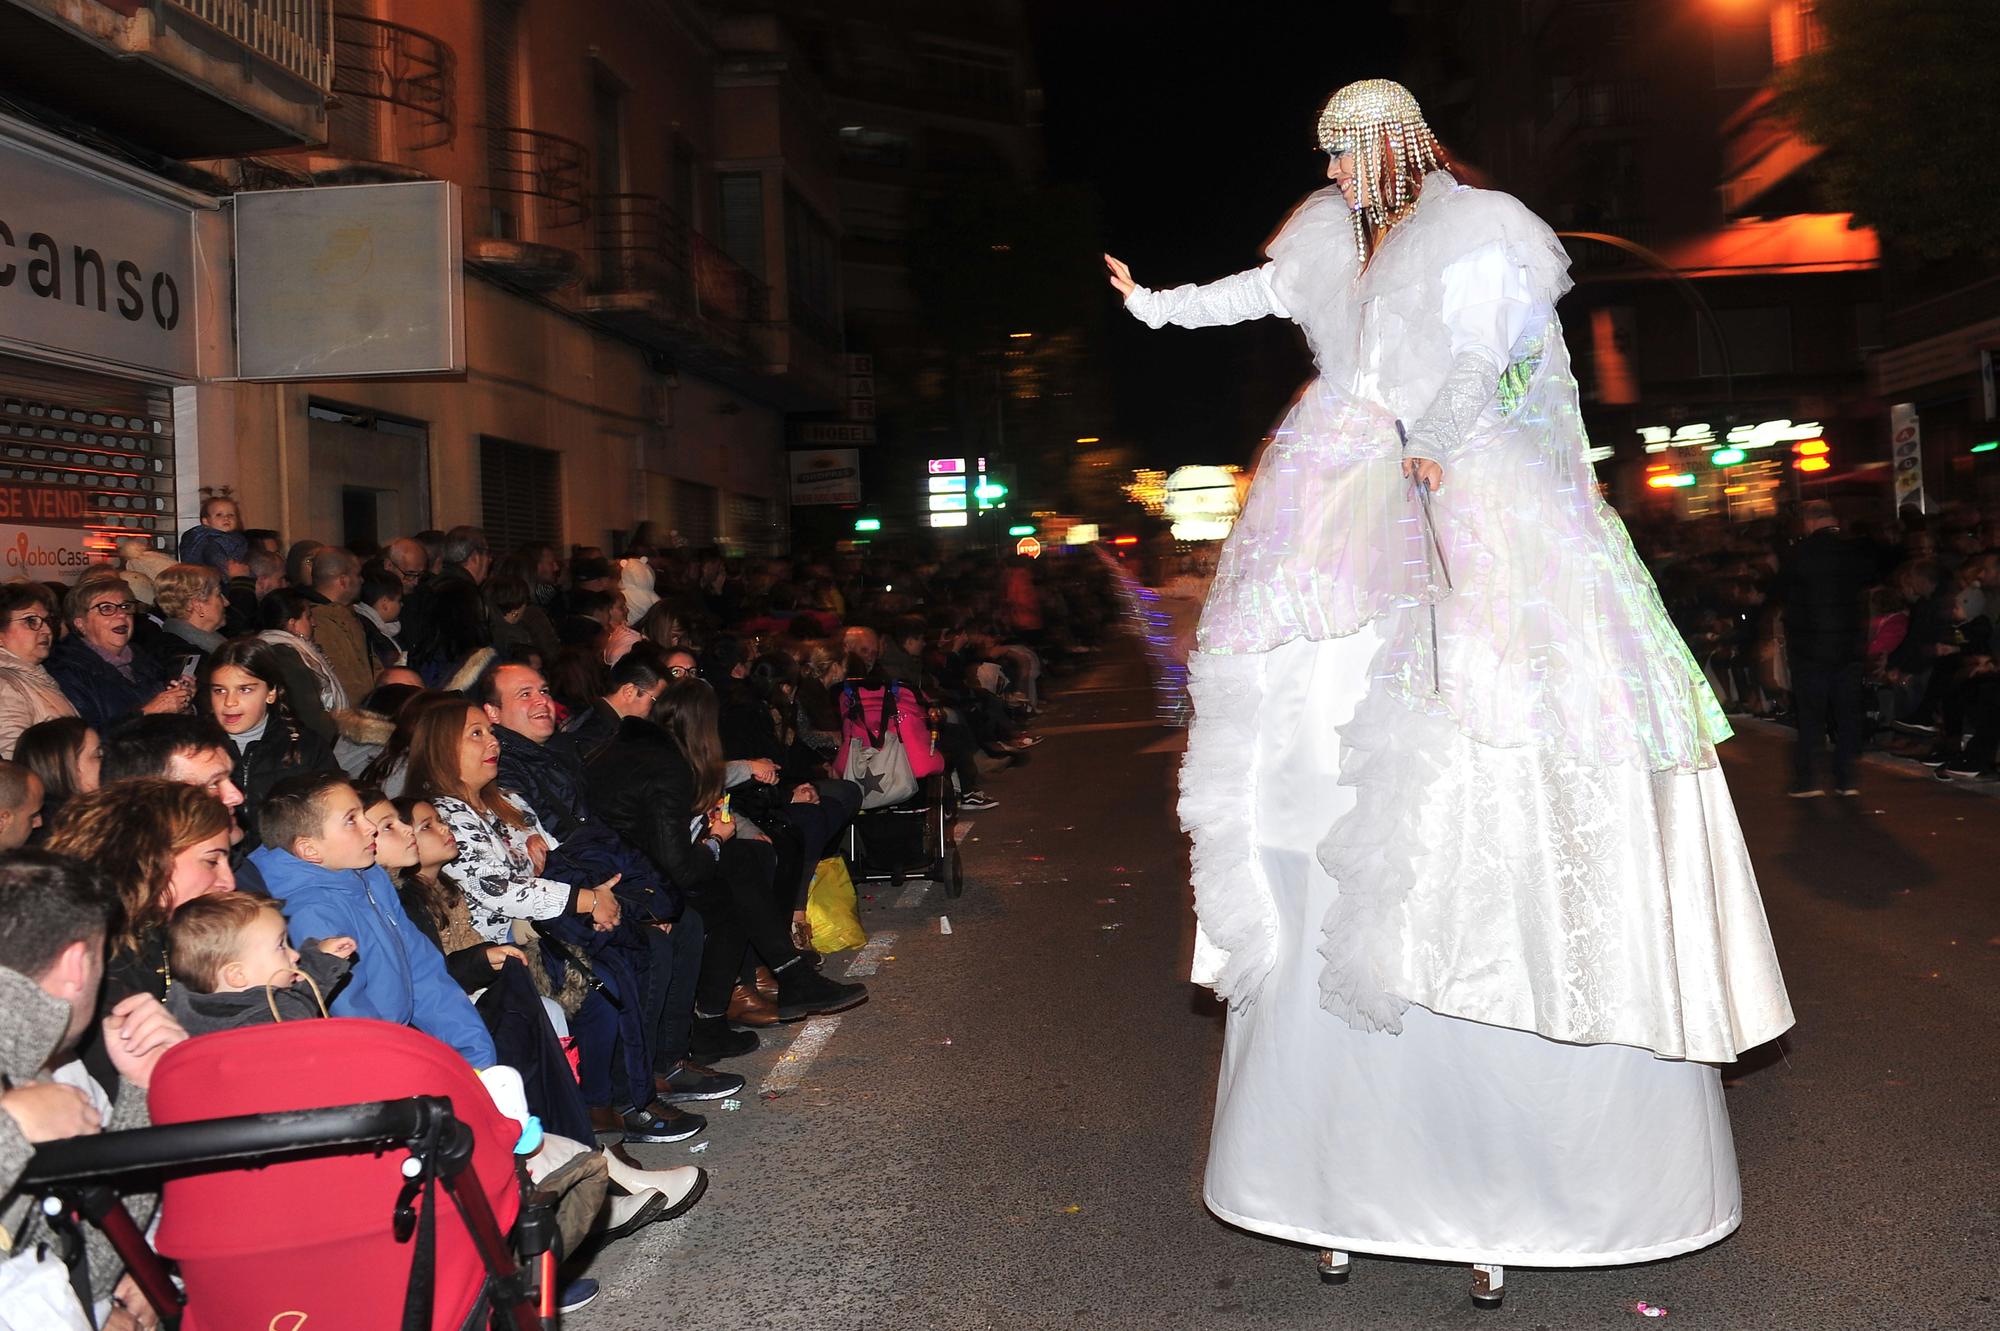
1861 633
560 809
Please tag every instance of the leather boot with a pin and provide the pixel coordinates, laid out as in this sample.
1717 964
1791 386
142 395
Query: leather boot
747 1007
766 984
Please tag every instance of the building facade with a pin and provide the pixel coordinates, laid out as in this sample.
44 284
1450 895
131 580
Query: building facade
1716 292
646 208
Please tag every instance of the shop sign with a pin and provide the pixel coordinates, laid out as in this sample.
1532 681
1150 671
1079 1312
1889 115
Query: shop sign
828 476
92 268
45 554
1906 455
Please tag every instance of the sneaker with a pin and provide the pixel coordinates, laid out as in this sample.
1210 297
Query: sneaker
1958 767
712 1040
1988 774
691 1081
578 1293
1939 756
1805 793
656 1123
1913 727
977 799
802 992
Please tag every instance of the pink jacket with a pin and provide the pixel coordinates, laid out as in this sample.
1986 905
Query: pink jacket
912 725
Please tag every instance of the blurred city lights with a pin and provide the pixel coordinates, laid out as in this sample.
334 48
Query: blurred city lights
1124 540
1022 529
1810 448
1671 480
1726 457
1813 464
868 524
1989 446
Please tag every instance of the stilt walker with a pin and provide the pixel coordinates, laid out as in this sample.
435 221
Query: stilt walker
1465 868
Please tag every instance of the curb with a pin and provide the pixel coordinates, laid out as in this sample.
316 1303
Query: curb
1888 762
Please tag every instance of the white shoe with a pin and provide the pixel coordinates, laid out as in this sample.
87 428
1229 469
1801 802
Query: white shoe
622 1215
675 1184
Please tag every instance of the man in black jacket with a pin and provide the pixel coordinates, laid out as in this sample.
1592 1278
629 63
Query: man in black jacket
445 619
1822 584
545 771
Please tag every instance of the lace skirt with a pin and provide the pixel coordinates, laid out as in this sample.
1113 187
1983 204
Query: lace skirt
1453 1139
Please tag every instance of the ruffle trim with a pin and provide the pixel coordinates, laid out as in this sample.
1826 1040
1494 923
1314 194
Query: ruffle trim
1391 758
1238 917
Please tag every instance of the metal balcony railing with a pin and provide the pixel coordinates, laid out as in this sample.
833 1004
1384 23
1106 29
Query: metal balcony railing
642 245
295 35
409 70
525 167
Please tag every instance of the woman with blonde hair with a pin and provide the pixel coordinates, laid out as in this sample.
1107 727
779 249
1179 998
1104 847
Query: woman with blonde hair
191 604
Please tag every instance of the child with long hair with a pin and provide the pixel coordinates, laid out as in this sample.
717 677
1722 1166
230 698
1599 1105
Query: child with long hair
242 685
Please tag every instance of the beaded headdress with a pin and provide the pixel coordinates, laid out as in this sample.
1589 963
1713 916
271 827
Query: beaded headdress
1381 124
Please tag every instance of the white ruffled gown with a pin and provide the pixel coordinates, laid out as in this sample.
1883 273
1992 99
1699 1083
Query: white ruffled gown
1482 913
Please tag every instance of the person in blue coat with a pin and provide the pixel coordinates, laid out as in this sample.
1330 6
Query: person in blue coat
318 862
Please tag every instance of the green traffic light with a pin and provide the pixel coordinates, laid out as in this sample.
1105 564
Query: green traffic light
1022 529
1989 446
1726 457
868 524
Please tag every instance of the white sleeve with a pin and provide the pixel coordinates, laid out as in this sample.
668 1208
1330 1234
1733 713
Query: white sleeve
1487 301
1231 300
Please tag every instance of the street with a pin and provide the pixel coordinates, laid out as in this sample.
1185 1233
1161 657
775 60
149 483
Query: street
1011 1133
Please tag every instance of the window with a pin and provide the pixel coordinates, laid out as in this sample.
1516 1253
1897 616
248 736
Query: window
520 493
1743 51
500 50
1759 341
812 265
695 512
742 232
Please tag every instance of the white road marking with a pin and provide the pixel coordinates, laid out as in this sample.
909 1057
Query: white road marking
959 831
913 895
870 956
792 1064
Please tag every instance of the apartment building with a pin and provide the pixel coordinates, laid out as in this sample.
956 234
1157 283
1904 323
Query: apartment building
645 210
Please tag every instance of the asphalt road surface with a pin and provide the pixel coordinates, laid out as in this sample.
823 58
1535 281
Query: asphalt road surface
1011 1133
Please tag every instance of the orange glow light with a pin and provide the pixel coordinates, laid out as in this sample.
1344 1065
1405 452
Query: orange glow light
1810 448
1814 464
1124 540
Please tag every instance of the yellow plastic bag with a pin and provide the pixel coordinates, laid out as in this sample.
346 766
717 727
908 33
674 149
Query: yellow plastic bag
830 909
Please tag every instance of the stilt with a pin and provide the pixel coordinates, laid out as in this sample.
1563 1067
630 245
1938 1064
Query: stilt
1333 1266
1488 1285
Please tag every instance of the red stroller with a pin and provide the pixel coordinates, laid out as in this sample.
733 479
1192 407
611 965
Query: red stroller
301 1166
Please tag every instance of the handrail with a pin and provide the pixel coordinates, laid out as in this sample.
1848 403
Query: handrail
403 66
295 35
534 164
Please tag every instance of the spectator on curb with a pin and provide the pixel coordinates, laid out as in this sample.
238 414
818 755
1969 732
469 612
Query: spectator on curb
337 630
1822 586
68 756
105 675
445 618
190 600
29 694
216 541
380 607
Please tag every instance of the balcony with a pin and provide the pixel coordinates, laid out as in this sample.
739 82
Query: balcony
534 181
657 280
184 78
393 97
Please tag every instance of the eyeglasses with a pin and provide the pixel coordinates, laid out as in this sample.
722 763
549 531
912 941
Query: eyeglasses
113 609
681 672
33 623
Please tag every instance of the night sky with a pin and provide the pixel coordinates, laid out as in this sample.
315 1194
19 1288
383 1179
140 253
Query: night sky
1196 131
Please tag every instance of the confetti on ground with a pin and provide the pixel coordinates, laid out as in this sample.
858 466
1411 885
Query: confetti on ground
1071 1209
732 1105
697 1148
1645 1309
1107 901
946 1040
769 1095
944 924
1109 927
1036 859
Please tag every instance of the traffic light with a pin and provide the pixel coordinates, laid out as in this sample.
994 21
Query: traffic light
989 493
1811 455
1726 457
1989 446
868 524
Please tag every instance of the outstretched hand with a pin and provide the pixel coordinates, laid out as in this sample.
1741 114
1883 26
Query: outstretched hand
1121 276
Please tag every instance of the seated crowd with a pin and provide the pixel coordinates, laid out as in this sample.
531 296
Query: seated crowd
1932 597
560 814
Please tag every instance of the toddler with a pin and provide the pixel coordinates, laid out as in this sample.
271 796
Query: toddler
217 540
232 965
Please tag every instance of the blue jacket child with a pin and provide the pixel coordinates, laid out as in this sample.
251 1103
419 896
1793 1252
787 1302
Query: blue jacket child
399 975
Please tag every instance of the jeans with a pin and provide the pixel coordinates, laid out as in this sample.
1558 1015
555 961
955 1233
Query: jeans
1826 698
670 981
